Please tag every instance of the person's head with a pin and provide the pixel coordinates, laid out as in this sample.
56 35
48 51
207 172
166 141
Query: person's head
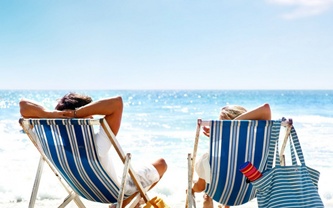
230 112
71 101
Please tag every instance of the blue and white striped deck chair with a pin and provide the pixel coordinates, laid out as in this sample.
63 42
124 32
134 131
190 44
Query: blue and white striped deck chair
68 146
232 143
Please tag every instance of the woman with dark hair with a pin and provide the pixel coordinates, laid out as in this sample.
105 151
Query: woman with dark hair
71 101
74 105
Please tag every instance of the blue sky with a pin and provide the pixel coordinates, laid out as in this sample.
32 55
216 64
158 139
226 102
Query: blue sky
159 44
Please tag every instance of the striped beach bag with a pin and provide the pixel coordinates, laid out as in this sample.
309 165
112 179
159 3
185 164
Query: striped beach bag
288 186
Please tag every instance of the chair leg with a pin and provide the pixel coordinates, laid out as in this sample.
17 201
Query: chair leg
283 146
123 181
134 201
37 182
69 198
78 201
189 201
122 156
120 199
191 161
72 195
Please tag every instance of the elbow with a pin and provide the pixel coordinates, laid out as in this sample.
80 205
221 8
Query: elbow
22 104
267 111
266 106
116 105
119 103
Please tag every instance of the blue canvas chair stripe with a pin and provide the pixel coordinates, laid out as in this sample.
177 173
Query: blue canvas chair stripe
232 143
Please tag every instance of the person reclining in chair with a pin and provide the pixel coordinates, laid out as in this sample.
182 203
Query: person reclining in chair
74 105
202 166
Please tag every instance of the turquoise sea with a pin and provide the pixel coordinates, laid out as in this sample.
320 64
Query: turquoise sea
161 123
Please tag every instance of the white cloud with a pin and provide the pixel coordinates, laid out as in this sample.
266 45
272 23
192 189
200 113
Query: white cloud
303 8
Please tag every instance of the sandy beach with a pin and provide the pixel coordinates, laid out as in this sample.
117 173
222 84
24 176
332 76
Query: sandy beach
56 202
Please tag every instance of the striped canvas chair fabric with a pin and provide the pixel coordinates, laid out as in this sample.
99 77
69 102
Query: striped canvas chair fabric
68 144
70 147
232 143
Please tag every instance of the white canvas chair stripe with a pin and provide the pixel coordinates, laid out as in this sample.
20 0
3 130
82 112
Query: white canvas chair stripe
232 143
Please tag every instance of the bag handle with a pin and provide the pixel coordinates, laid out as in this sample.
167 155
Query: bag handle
277 155
294 145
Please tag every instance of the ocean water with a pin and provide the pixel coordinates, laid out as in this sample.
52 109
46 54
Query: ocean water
162 123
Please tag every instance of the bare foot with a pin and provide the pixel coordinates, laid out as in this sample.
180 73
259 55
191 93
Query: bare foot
208 202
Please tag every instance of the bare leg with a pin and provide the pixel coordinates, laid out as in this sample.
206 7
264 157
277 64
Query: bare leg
208 202
160 166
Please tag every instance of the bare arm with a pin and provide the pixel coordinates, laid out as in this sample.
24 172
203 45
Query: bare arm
30 109
111 108
262 112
